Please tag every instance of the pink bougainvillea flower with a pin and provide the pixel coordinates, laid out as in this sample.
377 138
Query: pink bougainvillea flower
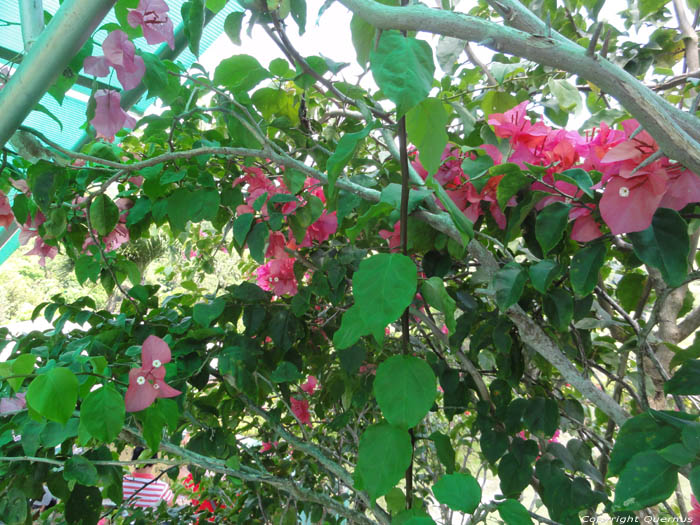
300 408
276 246
152 16
31 228
585 227
310 385
119 53
109 115
516 125
321 230
43 250
628 204
683 188
14 403
6 215
277 276
393 236
694 514
268 445
148 382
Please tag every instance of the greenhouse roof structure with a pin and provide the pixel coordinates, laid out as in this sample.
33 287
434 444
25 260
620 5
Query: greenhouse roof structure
59 29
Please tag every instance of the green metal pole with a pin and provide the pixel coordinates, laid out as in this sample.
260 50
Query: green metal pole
48 57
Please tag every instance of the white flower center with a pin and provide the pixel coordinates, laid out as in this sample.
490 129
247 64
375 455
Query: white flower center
155 385
140 380
567 201
156 363
624 191
276 279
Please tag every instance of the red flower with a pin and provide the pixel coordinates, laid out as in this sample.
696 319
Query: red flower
152 16
628 204
148 382
321 230
694 514
515 124
310 385
6 215
277 276
300 408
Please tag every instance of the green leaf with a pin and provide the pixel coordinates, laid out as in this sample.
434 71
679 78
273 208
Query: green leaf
240 73
87 267
691 438
362 39
434 292
638 434
458 491
543 273
193 18
496 101
403 69
102 414
81 470
104 214
426 129
585 267
391 194
629 290
464 225
344 151
205 313
286 372
256 242
542 416
677 454
215 5
694 479
298 11
13 507
384 286
22 365
580 178
42 180
232 27
384 455
509 283
405 388
686 380
511 183
241 227
567 94
512 512
559 308
550 225
646 480
54 394
445 451
84 505
665 245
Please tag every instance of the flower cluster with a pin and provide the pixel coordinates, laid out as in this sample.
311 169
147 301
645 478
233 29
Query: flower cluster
635 181
277 274
148 382
6 215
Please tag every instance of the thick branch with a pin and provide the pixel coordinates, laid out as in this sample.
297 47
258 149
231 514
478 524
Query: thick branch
690 37
676 132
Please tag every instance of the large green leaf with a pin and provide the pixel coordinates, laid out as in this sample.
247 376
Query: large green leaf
541 416
54 394
403 69
646 480
458 491
405 388
193 19
445 451
102 414
559 308
512 512
567 94
550 225
81 470
665 245
205 313
104 214
512 182
426 130
384 455
639 434
543 273
384 286
232 27
362 39
585 267
508 284
434 292
686 380
240 73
